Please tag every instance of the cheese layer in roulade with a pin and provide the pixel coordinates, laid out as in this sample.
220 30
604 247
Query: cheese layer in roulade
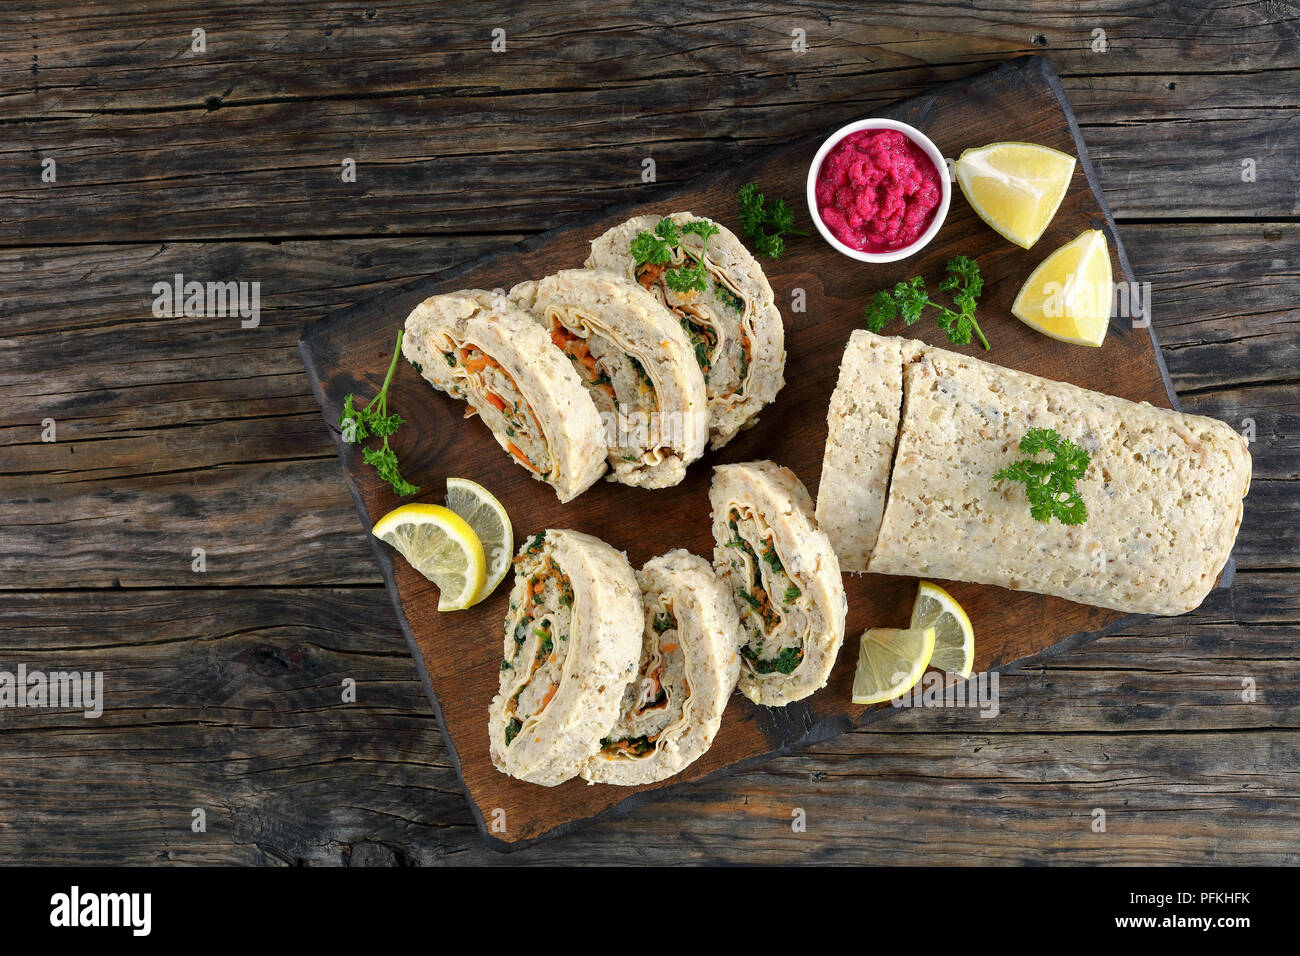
784 578
638 367
572 642
690 661
734 326
476 346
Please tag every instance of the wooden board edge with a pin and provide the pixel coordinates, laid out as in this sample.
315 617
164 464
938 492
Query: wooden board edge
385 562
824 729
827 727
1043 66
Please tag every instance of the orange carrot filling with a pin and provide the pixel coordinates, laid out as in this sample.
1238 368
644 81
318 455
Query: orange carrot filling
519 455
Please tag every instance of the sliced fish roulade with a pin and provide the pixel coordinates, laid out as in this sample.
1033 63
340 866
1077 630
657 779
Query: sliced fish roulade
784 577
477 346
637 365
572 642
734 326
690 662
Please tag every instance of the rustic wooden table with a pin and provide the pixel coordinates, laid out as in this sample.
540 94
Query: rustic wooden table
211 140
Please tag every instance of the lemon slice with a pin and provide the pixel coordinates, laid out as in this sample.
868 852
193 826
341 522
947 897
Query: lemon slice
890 661
482 512
440 545
1068 296
954 638
1015 187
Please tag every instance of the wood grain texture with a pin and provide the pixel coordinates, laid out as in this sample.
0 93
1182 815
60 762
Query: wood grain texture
295 50
254 130
353 348
1206 778
235 706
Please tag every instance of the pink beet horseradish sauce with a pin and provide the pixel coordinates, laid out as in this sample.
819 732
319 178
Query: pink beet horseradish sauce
877 191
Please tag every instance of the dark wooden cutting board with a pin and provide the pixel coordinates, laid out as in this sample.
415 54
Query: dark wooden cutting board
459 653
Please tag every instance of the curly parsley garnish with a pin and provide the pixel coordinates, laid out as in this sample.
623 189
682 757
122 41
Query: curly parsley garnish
909 299
1049 485
756 218
374 421
661 246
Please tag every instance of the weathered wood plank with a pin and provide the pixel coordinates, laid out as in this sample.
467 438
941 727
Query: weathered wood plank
134 394
300 281
271 523
1222 303
995 799
228 699
167 176
914 798
1191 145
153 140
231 701
138 57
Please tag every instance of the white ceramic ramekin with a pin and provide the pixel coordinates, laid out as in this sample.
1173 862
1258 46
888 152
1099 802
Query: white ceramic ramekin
927 147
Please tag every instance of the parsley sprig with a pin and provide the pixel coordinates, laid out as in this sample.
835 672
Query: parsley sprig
756 218
1049 485
374 421
660 247
909 299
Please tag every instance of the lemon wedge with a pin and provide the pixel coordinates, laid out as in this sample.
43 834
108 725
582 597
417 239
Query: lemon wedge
1068 296
954 638
486 515
439 544
1015 187
890 661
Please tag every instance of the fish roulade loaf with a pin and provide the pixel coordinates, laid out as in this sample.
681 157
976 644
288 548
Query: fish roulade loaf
690 661
733 323
477 346
1163 490
636 362
572 642
784 578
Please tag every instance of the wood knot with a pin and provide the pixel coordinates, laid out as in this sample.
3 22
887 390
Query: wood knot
270 660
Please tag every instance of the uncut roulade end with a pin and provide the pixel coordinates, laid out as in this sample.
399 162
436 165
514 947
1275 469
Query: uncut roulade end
1164 490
